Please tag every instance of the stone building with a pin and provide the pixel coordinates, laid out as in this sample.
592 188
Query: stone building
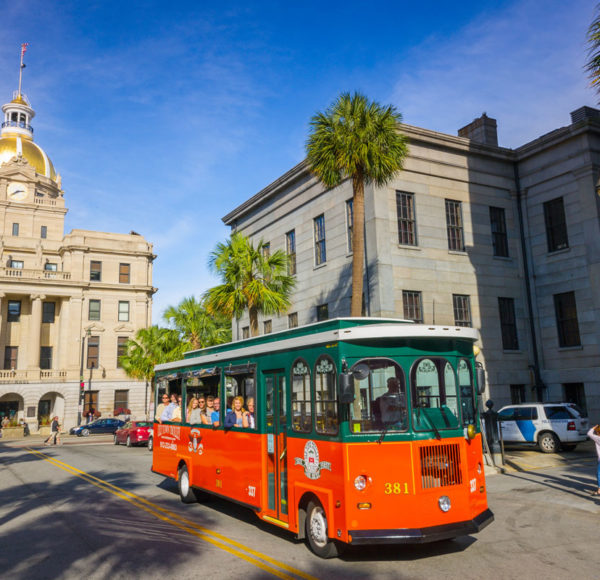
68 303
469 233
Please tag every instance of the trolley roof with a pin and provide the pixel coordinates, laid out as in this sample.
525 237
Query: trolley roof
337 329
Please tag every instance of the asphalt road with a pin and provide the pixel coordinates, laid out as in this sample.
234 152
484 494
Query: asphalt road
90 509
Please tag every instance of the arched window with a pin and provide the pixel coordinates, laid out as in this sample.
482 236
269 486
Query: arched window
326 414
301 397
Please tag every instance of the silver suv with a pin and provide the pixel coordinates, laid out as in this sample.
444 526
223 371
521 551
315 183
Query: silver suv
549 425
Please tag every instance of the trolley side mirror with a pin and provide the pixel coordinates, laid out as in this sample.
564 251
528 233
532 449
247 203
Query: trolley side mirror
480 380
346 388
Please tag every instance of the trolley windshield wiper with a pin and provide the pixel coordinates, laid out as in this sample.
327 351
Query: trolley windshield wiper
435 430
385 430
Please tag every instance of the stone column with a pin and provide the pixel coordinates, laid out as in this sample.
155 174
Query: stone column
2 331
35 327
64 343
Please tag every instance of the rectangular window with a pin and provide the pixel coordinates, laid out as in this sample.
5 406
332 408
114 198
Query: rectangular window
90 402
268 326
575 393
16 264
14 311
301 397
93 352
15 229
454 225
245 332
44 232
46 357
121 349
322 312
320 254
411 301
290 246
124 270
556 225
499 237
508 323
50 267
121 399
462 309
407 226
349 223
94 310
293 320
566 319
123 311
10 357
95 271
48 311
517 394
266 249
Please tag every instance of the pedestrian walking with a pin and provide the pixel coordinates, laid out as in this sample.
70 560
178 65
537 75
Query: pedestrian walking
54 433
594 435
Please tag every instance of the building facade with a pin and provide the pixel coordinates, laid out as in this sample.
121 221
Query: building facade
68 303
468 234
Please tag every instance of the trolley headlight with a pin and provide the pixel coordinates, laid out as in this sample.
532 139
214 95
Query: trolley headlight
444 503
471 431
360 482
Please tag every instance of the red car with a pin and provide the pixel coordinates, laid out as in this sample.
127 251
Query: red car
134 433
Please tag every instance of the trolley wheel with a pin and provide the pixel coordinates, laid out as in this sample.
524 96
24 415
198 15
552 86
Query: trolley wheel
115 440
150 444
548 442
316 532
128 441
186 493
85 432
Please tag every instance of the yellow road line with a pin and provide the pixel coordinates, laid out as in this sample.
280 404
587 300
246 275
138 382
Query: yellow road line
220 541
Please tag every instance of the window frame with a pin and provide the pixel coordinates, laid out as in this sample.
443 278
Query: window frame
93 313
508 323
46 358
454 225
325 404
461 304
16 315
320 240
305 424
11 357
290 246
15 229
322 308
555 220
43 232
406 216
48 312
567 323
95 271
93 352
123 315
499 233
409 306
349 224
124 273
121 349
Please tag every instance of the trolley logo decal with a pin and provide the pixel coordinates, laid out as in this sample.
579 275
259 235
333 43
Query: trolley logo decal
194 444
311 464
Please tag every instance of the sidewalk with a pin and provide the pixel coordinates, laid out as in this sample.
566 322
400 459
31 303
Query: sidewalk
35 440
531 458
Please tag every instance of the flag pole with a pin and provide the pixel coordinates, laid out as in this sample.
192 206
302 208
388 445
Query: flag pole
23 51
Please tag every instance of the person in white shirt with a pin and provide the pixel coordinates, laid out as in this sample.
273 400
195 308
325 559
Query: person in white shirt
594 435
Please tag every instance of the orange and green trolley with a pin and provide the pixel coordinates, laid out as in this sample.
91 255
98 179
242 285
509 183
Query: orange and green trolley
364 431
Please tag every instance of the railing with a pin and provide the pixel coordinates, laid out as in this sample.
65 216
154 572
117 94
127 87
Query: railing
44 201
17 124
29 274
35 375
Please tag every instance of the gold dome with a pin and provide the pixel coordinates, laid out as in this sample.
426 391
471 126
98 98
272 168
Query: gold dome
20 100
33 153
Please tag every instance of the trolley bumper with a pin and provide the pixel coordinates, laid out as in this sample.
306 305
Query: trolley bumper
422 535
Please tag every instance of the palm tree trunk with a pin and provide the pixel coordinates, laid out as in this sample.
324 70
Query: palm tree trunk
253 312
358 243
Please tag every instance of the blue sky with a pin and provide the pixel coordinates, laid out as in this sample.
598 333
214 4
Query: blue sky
163 117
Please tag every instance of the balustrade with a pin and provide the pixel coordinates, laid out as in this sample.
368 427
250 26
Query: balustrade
30 274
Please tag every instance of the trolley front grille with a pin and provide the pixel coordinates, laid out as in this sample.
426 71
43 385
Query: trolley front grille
440 465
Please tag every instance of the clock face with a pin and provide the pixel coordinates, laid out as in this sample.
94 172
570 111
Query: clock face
16 191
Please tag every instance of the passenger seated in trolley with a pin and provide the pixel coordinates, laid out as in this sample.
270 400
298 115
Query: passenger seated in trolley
236 417
167 414
215 414
210 409
249 417
161 406
194 415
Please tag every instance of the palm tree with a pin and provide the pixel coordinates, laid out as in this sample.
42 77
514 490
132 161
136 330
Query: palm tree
252 278
593 64
151 346
196 327
359 140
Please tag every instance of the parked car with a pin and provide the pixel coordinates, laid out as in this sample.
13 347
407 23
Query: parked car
552 426
97 426
133 433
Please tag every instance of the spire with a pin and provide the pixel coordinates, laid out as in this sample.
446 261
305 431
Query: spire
23 51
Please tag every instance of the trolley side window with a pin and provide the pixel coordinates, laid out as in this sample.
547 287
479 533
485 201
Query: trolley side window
202 388
240 381
467 392
326 415
434 395
301 397
380 396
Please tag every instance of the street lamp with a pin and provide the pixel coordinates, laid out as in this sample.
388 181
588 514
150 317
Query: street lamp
81 381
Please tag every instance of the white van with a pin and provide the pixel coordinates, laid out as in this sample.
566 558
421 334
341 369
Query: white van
549 425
